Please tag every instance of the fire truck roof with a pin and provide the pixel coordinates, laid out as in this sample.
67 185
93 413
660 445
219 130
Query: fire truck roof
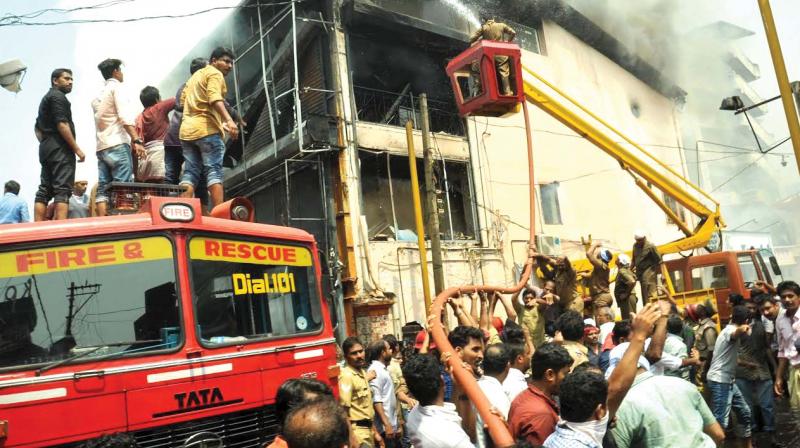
159 213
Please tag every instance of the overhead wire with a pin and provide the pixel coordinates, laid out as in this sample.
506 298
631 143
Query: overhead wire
657 145
738 173
34 14
17 20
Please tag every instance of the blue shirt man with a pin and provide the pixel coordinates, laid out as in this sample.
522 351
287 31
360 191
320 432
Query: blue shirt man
12 208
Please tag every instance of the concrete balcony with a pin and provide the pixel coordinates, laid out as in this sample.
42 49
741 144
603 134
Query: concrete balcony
743 66
749 96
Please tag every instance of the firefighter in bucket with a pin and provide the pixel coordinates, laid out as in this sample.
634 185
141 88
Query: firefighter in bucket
496 31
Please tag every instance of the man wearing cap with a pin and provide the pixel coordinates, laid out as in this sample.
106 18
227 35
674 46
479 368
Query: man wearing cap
623 287
598 283
646 265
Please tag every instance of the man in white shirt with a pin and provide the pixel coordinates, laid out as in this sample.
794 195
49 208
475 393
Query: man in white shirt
787 327
115 120
384 398
496 364
432 423
605 321
520 359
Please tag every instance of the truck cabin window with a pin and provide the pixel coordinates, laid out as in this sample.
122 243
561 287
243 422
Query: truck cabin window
247 290
710 277
85 302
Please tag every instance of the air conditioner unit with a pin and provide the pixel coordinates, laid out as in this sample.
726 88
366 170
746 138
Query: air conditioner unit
548 244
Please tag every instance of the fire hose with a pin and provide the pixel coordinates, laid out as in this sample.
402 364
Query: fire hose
496 426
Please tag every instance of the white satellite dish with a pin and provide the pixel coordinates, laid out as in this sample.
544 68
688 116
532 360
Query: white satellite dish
11 74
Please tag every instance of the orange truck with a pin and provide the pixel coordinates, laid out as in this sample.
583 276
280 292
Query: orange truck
716 275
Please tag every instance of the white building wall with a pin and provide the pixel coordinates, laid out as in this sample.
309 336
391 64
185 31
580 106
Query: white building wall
596 196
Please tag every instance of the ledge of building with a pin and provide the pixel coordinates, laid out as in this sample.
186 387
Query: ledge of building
392 139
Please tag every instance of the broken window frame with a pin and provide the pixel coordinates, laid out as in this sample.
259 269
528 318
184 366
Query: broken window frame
448 229
405 102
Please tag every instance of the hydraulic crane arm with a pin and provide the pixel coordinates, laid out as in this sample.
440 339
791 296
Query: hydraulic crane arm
641 164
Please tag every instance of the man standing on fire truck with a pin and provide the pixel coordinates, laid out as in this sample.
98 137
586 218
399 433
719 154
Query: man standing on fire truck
355 395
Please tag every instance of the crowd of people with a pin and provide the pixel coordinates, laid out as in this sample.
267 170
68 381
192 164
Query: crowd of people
660 377
178 141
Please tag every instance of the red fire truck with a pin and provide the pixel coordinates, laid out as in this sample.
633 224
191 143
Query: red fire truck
173 327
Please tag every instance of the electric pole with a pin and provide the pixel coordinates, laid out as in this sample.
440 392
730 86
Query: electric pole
75 293
432 215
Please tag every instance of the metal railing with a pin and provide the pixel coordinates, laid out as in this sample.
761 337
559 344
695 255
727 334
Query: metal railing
395 108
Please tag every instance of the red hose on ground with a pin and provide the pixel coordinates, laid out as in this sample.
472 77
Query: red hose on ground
497 428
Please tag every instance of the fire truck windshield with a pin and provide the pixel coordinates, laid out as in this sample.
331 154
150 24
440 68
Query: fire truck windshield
246 290
76 303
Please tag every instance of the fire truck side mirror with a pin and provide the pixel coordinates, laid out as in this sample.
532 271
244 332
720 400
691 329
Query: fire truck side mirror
237 209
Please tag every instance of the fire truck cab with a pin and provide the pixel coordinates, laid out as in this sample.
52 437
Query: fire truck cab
727 272
173 327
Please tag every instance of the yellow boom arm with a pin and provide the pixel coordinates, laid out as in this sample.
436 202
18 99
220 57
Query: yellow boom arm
643 166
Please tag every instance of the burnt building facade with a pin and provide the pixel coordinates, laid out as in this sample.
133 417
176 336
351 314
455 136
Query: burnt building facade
326 88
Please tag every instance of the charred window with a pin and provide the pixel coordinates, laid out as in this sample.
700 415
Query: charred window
388 204
86 302
391 67
527 36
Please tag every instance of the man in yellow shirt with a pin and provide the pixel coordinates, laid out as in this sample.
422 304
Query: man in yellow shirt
355 395
205 122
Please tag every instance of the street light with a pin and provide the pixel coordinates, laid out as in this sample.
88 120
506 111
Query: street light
11 74
735 104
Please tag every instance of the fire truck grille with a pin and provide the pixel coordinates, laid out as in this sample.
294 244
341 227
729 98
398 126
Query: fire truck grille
251 428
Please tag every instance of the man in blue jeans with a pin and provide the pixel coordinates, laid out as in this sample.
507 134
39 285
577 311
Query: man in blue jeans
204 125
725 395
115 120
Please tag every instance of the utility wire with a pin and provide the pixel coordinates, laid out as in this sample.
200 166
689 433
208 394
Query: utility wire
17 22
743 149
748 165
32 15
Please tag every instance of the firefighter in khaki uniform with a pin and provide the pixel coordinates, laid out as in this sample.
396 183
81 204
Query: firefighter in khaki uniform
646 265
599 280
497 31
561 272
355 395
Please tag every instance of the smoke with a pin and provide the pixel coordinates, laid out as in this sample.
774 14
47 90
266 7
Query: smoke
694 45
219 35
464 11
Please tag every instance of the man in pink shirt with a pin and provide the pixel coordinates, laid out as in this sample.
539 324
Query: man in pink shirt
152 124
